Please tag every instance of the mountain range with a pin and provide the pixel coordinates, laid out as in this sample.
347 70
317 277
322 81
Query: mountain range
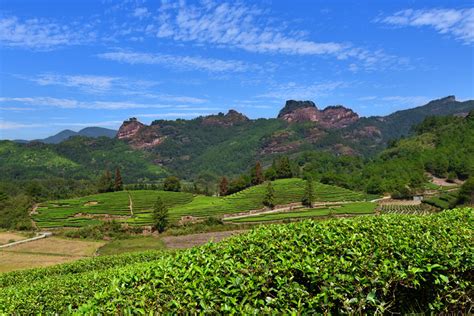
93 132
229 143
215 145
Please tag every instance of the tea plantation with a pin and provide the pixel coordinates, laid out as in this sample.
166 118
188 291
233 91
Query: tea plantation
373 264
86 210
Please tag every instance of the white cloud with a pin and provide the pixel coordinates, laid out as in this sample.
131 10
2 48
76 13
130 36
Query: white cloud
407 100
296 91
41 34
236 25
75 104
395 100
141 12
91 83
458 23
16 125
171 114
87 124
179 62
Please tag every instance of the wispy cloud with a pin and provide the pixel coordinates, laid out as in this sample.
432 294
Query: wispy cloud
395 100
17 125
459 23
42 34
75 104
179 62
236 25
297 91
91 83
172 115
141 12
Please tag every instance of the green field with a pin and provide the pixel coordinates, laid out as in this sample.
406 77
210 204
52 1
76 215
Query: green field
406 209
63 213
310 267
443 201
357 208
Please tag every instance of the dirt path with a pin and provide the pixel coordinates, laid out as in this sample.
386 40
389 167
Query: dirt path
40 236
282 208
130 203
188 241
442 181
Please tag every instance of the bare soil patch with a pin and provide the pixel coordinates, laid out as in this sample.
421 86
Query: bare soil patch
10 261
58 246
188 241
7 237
91 203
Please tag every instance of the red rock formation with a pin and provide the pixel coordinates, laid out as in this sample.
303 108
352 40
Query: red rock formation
129 128
232 117
304 111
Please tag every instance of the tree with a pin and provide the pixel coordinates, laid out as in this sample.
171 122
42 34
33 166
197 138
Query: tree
466 193
269 198
160 215
105 183
172 184
283 168
223 186
270 174
308 196
118 185
257 174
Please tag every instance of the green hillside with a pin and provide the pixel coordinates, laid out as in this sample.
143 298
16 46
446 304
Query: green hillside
377 264
90 209
77 158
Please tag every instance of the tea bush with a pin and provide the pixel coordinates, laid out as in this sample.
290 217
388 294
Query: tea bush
376 264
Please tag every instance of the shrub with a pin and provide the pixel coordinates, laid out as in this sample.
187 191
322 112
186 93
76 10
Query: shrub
379 264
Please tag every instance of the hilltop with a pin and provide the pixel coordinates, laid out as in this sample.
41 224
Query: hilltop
227 144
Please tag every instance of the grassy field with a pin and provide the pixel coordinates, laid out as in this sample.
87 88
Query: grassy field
443 201
89 210
46 252
8 237
120 246
349 209
406 209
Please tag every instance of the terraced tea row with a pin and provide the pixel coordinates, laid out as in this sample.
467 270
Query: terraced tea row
370 264
357 208
419 209
117 205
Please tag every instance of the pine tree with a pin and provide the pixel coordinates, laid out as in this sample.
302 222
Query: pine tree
223 186
160 215
283 168
269 199
308 197
105 183
172 184
118 185
257 174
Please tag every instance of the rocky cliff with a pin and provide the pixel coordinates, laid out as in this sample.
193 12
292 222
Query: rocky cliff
231 118
304 111
129 128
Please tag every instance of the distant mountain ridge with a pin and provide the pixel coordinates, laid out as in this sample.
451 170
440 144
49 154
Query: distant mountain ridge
228 143
222 144
93 132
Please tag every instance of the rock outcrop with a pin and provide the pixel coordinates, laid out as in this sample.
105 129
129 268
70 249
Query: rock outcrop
231 118
129 128
304 111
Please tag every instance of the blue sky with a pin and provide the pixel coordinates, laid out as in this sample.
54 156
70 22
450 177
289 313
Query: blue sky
72 64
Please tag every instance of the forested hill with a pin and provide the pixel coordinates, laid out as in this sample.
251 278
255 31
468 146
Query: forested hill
442 146
79 158
231 143
212 146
